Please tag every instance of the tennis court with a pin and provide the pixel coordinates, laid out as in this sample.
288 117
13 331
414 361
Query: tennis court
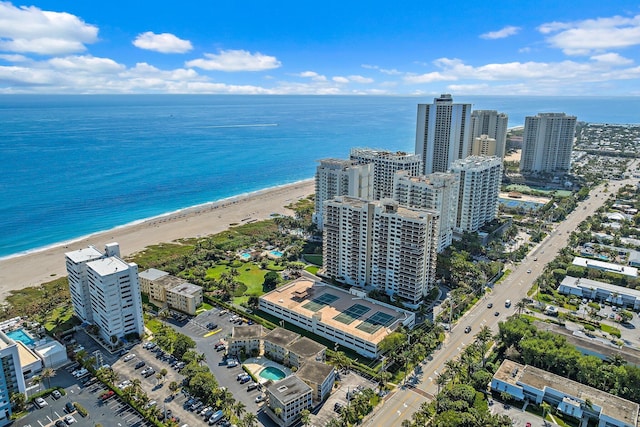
375 322
352 313
320 301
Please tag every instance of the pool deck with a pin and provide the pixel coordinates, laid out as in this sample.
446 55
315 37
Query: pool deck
256 364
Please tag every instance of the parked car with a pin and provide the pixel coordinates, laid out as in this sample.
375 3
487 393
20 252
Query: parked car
56 394
151 404
149 372
211 326
252 386
69 407
40 402
140 364
260 398
60 423
69 420
107 394
129 357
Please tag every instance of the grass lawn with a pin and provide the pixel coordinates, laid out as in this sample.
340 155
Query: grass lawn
204 307
313 269
313 258
60 317
610 330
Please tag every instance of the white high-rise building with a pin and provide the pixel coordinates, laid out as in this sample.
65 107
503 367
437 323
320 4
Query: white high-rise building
339 177
11 377
379 244
547 143
442 133
438 192
480 179
110 296
385 165
492 124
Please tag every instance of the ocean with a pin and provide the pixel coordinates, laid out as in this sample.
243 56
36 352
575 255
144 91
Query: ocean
75 165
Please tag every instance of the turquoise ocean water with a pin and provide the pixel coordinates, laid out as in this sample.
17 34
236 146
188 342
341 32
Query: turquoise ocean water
75 165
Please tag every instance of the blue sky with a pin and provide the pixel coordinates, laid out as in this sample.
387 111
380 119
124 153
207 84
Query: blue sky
295 47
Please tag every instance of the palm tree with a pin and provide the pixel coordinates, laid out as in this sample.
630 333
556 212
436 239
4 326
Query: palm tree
37 379
521 305
278 411
305 417
173 386
46 375
18 401
239 408
546 409
200 358
250 420
163 373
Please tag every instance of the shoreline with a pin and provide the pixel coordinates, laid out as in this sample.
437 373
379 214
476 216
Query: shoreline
44 264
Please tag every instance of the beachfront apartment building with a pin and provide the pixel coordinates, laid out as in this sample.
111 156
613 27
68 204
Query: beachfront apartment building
76 263
286 399
116 301
492 124
348 318
247 340
320 377
277 342
339 177
168 291
385 165
438 192
570 398
378 244
442 133
480 179
11 377
483 145
548 143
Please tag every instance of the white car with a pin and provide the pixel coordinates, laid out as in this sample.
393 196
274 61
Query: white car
129 357
260 398
124 384
41 403
80 373
69 420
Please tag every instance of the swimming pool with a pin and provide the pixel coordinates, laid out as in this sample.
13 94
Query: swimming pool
276 253
245 256
21 335
272 373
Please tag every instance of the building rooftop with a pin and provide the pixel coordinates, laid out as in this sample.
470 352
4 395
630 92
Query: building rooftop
281 337
305 347
356 315
5 341
314 372
289 389
471 163
613 406
169 281
27 356
83 255
588 283
385 154
247 332
152 274
108 266
606 266
186 289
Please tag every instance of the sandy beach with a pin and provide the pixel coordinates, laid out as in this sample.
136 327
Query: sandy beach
43 266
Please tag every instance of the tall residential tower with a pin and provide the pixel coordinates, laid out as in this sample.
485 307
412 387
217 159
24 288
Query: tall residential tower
442 133
548 143
338 177
492 124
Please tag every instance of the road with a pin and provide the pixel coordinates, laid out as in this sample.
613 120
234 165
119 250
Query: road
406 400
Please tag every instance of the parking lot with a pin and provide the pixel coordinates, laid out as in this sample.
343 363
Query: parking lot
112 412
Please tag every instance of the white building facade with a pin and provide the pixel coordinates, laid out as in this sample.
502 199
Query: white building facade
437 192
116 301
385 165
382 245
442 133
11 378
76 262
548 143
339 177
480 179
494 125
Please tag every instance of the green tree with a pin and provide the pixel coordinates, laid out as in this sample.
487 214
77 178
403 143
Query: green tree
182 344
18 401
305 417
271 280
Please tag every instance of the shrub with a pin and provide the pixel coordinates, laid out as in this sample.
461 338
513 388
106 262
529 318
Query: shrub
81 410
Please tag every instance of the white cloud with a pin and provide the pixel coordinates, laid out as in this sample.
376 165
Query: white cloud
163 43
235 60
434 76
32 30
14 58
612 58
86 63
312 75
593 35
390 72
505 32
352 79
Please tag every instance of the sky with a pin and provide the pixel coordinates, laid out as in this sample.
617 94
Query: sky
426 47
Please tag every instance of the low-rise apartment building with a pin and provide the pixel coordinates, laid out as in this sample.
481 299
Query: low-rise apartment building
320 377
291 396
170 291
247 339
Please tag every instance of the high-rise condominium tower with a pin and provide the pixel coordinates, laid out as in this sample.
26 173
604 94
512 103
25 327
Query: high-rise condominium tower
492 124
438 192
385 165
480 179
382 245
107 291
548 143
442 133
338 177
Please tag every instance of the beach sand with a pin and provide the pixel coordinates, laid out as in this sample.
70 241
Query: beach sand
43 266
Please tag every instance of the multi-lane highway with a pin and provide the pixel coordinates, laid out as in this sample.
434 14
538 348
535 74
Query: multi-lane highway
406 400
